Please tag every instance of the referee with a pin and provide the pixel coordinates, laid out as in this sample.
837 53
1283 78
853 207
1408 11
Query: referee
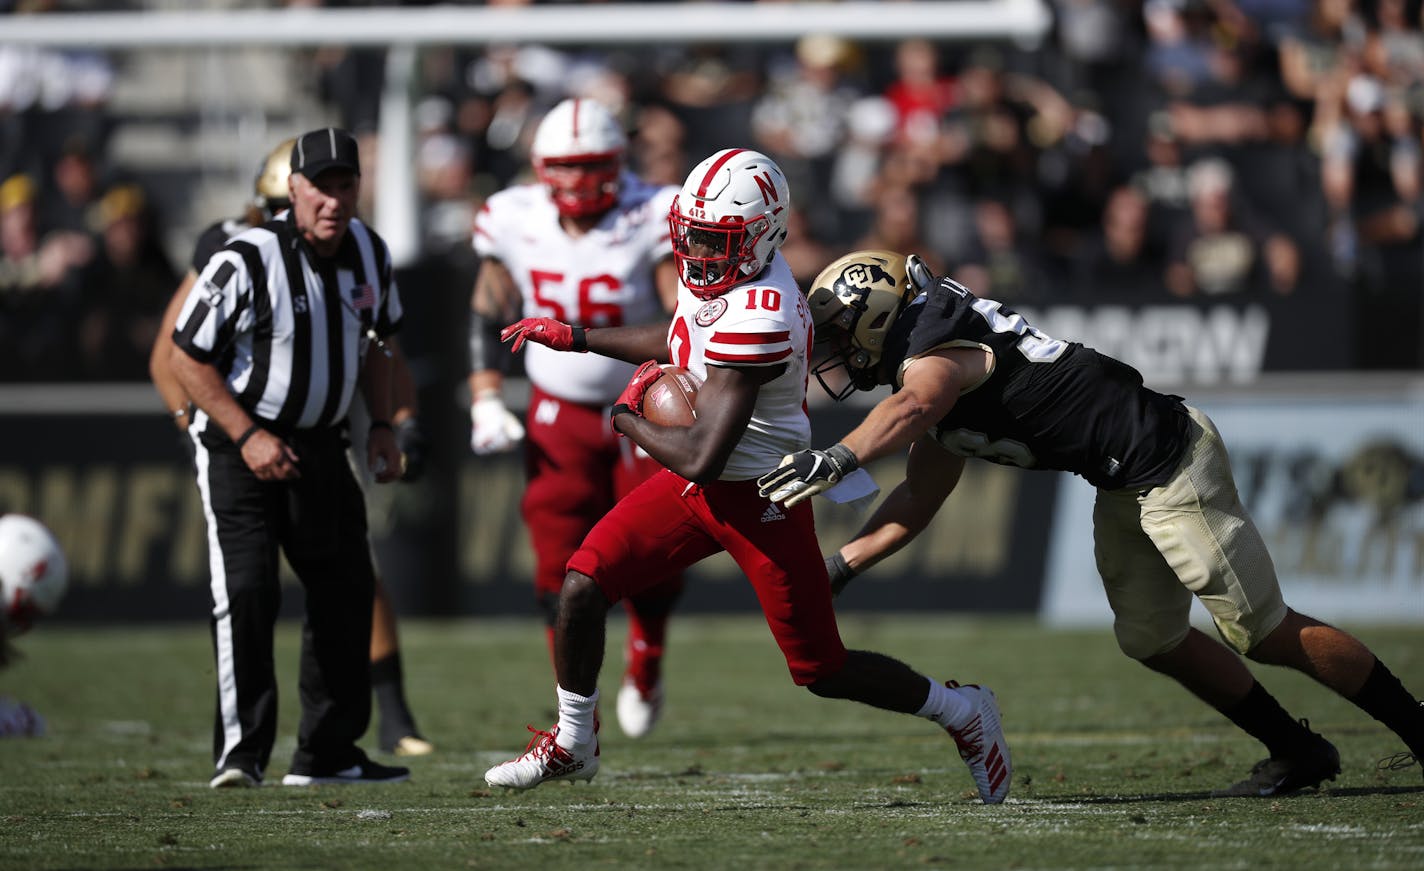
272 341
397 732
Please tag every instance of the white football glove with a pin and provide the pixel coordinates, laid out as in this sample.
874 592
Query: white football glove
493 428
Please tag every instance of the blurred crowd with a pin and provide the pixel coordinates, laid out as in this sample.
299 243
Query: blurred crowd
1233 150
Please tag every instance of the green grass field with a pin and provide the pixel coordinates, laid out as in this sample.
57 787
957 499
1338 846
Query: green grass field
1113 765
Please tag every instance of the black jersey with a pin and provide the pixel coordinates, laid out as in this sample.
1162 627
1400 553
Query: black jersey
212 240
1047 404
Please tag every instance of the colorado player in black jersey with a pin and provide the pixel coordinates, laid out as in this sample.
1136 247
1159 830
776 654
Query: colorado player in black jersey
972 378
397 732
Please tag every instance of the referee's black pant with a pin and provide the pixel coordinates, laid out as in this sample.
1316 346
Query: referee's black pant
319 522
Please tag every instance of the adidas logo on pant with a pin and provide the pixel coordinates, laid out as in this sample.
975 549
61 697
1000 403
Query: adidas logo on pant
772 513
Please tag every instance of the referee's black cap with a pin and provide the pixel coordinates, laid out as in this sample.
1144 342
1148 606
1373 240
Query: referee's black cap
328 148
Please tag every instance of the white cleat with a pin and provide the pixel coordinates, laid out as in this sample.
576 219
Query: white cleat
637 713
233 778
981 744
544 760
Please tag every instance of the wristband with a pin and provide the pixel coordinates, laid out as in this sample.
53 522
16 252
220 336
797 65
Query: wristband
620 408
242 439
839 572
842 459
381 424
580 339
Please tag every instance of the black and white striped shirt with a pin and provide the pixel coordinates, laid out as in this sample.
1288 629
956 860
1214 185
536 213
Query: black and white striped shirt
286 328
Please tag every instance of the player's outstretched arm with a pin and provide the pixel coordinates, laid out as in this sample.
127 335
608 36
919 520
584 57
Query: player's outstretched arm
930 387
629 344
929 390
931 474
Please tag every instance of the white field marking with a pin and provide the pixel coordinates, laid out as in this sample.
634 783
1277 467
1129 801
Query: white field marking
1030 818
1089 739
126 727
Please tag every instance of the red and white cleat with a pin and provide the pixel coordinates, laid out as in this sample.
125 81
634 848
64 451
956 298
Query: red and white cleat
544 760
981 744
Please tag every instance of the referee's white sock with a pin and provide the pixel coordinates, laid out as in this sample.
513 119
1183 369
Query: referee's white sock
946 707
576 716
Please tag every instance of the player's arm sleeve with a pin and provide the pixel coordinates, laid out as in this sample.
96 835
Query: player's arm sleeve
485 239
217 307
758 343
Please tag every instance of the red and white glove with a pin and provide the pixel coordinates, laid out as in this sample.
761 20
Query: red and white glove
631 399
545 331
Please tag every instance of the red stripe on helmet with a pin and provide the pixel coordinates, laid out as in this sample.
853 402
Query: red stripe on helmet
712 170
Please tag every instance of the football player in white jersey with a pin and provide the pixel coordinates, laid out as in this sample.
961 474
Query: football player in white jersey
742 325
588 245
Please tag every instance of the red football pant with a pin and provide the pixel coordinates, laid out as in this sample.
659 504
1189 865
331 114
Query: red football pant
577 468
670 522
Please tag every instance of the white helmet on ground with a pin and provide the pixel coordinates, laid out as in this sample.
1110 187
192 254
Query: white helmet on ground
578 155
728 220
33 572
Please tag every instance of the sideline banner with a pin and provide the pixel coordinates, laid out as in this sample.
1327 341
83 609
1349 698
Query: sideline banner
105 469
1334 479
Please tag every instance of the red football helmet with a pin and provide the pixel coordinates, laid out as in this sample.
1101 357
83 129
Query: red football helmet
578 155
728 220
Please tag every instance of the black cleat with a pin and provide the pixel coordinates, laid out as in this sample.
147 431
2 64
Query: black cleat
365 771
1276 777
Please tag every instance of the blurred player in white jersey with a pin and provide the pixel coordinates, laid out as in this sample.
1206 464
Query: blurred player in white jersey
743 326
588 245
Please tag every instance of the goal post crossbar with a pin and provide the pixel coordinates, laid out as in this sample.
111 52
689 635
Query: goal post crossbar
599 24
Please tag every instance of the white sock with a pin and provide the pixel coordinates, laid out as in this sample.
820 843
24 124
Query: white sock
576 714
946 707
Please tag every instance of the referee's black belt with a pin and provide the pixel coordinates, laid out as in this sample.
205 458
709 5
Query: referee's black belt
316 436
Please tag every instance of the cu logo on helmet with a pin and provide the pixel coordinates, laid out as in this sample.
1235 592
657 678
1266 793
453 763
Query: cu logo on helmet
862 275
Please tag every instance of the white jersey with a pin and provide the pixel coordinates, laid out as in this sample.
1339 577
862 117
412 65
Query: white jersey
603 278
760 323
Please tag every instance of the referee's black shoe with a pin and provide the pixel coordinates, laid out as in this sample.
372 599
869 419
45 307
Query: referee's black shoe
364 772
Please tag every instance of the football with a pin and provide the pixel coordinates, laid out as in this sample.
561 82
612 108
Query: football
672 400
